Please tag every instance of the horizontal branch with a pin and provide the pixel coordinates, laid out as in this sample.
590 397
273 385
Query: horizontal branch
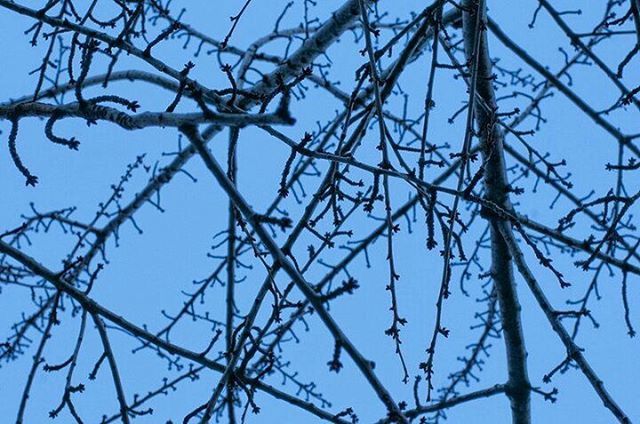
449 403
94 112
426 187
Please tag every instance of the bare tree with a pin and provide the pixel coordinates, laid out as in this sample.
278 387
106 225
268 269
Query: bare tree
403 139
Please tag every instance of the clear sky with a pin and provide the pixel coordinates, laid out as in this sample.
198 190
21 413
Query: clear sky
150 270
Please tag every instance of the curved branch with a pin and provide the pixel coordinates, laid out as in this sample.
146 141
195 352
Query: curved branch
94 112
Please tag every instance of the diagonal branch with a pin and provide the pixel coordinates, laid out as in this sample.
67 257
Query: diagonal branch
573 351
450 403
117 381
570 94
252 219
93 307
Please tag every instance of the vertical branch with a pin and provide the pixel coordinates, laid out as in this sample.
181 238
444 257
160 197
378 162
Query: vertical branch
231 265
464 155
496 186
398 321
117 382
231 354
37 360
574 353
428 101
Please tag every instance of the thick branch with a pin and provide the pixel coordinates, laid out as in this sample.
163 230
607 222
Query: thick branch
573 351
496 185
127 121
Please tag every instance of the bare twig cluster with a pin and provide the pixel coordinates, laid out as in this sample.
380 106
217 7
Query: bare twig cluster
373 168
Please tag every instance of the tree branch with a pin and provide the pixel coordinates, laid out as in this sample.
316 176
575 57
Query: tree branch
496 183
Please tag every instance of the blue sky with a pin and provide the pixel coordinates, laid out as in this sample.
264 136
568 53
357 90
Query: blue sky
148 271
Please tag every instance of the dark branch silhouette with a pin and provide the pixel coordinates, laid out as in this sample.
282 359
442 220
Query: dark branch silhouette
360 155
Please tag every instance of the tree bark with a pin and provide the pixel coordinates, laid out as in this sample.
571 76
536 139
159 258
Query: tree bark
497 191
